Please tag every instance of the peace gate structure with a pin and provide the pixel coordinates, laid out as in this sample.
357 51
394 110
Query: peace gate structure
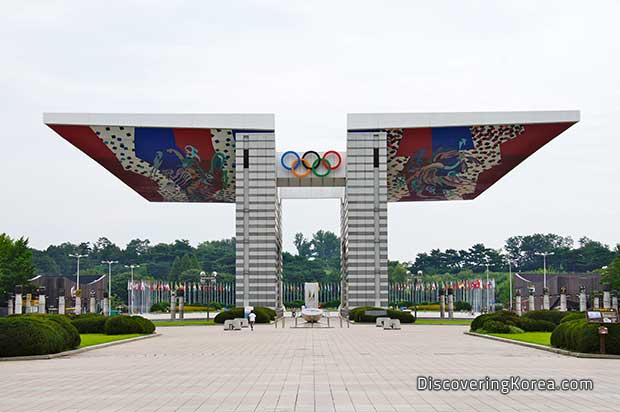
232 158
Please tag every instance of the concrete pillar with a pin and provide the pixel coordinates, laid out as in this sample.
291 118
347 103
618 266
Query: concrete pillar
597 303
92 307
173 305
11 308
531 305
181 306
18 304
582 300
518 303
563 307
61 305
442 304
41 303
546 299
106 305
614 302
606 299
78 305
450 303
28 303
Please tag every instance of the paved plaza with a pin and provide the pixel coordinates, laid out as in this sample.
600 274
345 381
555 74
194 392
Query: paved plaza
362 368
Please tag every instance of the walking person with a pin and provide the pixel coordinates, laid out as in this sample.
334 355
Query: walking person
252 319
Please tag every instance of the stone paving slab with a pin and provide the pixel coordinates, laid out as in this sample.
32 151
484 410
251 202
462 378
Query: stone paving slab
362 368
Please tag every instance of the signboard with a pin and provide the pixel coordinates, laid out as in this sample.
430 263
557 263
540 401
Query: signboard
375 312
602 316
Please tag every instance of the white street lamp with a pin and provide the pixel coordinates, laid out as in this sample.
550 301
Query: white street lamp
131 295
510 263
109 263
544 255
78 291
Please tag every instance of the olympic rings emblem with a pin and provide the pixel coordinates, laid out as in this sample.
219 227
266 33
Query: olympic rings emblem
310 166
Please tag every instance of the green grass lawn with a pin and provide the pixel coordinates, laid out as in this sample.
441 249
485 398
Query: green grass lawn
183 322
90 339
541 338
442 322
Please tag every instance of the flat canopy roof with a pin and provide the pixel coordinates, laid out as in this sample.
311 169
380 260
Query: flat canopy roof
191 157
366 121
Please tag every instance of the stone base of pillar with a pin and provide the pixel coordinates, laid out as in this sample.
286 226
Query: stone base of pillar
41 304
78 305
92 307
181 307
11 308
597 304
442 306
582 302
450 306
518 305
546 302
106 306
18 304
607 300
531 305
563 307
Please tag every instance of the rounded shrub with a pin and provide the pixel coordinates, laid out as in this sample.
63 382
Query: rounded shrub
160 307
263 315
359 315
90 323
502 316
71 333
580 336
495 326
147 326
27 335
121 325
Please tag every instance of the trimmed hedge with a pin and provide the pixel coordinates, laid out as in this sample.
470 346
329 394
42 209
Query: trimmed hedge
580 336
573 316
121 325
90 323
552 316
263 314
359 315
25 335
494 326
534 323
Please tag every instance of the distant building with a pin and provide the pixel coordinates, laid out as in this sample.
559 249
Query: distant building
571 281
62 285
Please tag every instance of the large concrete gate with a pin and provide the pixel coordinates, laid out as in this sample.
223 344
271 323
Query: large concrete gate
233 159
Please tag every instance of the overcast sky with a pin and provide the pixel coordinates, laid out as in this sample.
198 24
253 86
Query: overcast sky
310 63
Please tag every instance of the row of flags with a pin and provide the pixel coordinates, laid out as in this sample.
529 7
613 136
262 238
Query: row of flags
142 285
455 284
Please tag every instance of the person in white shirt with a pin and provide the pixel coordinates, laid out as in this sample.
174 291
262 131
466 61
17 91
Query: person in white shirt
252 319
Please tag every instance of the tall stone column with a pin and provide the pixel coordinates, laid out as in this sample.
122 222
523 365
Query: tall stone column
92 307
530 300
442 304
366 219
582 300
450 303
78 302
61 302
18 303
11 308
563 307
181 306
596 301
606 298
41 308
518 302
545 299
28 303
106 304
258 275
614 301
173 305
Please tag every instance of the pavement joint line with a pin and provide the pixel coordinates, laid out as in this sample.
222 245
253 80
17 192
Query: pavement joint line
77 351
545 348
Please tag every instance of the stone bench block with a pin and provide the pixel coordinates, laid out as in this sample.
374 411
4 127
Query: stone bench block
381 321
232 324
392 324
245 323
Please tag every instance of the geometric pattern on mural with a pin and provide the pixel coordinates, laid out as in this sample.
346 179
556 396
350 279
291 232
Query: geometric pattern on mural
163 164
456 163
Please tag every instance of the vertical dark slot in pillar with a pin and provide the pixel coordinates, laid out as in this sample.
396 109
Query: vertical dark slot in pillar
246 158
375 161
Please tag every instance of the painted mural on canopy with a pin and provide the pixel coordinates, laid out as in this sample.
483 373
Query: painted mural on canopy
455 163
163 164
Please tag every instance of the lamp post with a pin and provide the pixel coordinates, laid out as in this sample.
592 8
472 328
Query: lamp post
510 263
544 255
78 291
131 295
109 263
488 303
